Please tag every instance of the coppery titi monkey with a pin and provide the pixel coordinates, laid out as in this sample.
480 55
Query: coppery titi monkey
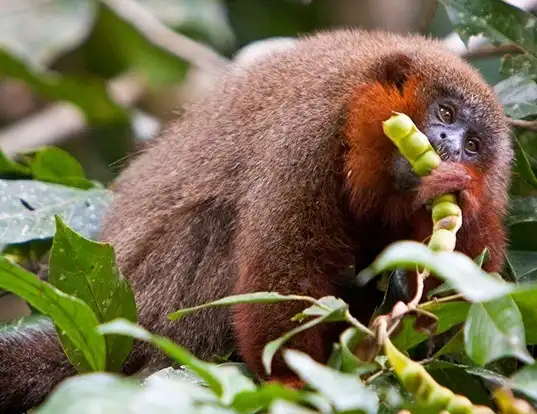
279 181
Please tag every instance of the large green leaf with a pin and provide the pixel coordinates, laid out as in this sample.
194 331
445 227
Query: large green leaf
463 274
495 19
345 391
71 315
518 95
88 270
495 330
107 393
24 33
226 382
502 23
28 208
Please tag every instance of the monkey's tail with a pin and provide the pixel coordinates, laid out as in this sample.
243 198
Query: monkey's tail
32 363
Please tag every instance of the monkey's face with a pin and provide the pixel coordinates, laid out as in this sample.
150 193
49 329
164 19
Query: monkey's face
461 130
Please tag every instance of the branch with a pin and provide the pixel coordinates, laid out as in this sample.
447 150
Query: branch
428 16
159 34
520 123
491 50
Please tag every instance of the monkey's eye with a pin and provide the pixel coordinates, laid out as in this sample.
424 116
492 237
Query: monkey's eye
446 114
471 146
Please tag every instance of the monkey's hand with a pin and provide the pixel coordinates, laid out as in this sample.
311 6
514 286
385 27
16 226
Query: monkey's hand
450 177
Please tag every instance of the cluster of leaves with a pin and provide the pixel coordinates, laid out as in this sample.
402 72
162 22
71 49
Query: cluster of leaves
50 212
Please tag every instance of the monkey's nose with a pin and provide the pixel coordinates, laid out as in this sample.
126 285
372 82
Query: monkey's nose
448 144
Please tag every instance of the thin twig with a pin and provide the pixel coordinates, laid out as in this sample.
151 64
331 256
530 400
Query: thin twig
159 34
428 16
491 50
520 123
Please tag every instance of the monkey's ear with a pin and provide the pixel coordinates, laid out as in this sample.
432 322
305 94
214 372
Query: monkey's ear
394 70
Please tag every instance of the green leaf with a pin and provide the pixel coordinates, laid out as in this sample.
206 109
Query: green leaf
23 33
183 374
70 315
524 265
261 398
463 274
108 393
525 381
88 270
55 165
454 346
495 330
526 298
495 19
284 407
523 164
10 168
522 210
257 297
518 95
522 65
348 341
226 381
345 391
449 314
333 308
28 208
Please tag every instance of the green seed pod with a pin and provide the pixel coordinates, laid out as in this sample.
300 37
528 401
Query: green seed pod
398 126
460 405
448 198
435 397
426 162
443 240
413 145
445 209
451 223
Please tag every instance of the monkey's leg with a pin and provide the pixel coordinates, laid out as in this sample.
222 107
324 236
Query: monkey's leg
256 325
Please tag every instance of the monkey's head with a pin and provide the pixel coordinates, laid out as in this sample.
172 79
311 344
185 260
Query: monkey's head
450 102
